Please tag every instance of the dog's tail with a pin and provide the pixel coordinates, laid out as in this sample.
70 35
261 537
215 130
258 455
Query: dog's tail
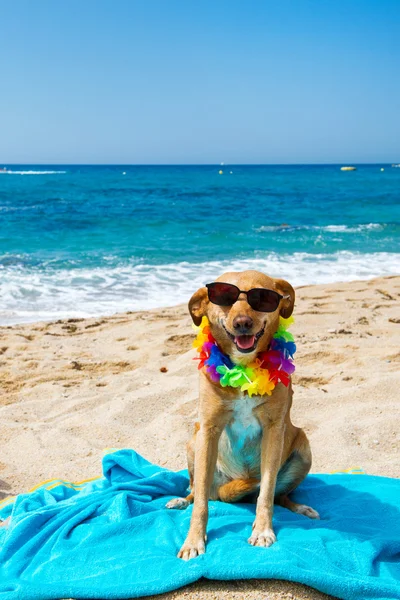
237 488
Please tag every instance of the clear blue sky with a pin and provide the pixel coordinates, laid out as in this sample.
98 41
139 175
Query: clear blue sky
182 81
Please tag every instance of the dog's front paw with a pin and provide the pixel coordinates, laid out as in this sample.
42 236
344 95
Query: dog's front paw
192 548
263 538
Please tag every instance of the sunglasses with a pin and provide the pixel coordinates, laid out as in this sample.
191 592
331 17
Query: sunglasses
260 299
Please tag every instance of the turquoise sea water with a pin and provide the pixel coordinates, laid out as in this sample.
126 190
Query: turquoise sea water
86 240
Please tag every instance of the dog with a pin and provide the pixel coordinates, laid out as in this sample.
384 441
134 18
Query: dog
243 444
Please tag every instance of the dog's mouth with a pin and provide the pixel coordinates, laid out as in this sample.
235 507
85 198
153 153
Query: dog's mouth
245 343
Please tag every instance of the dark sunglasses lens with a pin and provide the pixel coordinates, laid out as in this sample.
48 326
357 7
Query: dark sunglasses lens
263 300
222 294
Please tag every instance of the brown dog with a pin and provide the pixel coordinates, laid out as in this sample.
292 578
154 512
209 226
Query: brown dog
243 444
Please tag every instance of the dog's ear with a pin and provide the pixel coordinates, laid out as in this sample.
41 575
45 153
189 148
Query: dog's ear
198 304
287 305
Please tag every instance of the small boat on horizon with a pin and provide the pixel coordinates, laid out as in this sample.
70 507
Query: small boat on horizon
348 168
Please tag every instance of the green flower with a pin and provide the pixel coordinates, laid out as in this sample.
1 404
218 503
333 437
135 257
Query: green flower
282 333
234 377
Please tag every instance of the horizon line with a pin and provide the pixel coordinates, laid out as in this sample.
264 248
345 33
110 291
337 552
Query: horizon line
246 164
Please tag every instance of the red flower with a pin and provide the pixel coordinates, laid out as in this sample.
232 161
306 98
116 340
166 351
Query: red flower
203 356
277 375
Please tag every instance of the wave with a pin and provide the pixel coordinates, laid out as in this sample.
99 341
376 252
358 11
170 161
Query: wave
18 208
32 294
33 172
354 228
330 228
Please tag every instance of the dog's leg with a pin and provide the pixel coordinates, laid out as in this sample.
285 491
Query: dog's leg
204 468
271 456
182 503
292 474
300 509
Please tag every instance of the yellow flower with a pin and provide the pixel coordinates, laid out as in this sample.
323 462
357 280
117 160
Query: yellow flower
201 339
266 387
204 323
250 387
264 384
285 323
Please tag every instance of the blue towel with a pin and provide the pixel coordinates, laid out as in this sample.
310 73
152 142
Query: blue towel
114 538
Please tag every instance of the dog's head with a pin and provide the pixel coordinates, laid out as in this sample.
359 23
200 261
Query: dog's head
240 331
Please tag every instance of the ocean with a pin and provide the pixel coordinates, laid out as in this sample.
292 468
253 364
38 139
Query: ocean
81 241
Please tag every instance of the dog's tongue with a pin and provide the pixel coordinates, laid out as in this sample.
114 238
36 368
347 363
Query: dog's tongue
245 341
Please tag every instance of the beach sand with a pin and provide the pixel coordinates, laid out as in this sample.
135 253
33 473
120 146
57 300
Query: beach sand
72 388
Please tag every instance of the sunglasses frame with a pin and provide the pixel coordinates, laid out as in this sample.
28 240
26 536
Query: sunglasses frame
208 285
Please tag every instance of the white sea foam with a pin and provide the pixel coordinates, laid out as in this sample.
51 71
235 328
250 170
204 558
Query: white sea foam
329 228
28 295
33 172
353 228
18 208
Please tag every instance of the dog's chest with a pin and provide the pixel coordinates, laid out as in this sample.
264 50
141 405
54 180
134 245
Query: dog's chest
245 424
239 446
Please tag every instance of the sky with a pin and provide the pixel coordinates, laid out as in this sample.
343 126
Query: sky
193 82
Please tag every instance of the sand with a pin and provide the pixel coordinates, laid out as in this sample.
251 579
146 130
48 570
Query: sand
72 388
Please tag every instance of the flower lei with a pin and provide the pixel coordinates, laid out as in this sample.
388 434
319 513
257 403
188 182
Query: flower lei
259 377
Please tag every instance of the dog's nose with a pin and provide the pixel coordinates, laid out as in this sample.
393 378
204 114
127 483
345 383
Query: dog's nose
242 322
